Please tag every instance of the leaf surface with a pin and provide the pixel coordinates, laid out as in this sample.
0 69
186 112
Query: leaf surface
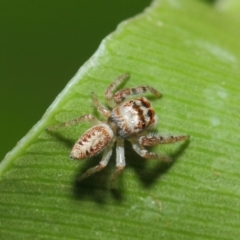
190 52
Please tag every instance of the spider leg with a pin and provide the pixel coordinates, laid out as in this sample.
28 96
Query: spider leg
122 94
112 87
88 117
153 139
143 152
101 109
103 163
120 161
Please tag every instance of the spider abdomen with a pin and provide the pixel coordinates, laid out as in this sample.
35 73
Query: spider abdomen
92 142
132 117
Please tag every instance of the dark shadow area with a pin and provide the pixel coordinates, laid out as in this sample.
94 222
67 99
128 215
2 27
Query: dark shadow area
149 175
60 137
97 186
151 97
209 1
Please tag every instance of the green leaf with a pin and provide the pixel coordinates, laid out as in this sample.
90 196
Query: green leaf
190 52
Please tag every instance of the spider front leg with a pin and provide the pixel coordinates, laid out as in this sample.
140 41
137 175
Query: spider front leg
88 117
101 109
112 87
114 99
154 139
122 94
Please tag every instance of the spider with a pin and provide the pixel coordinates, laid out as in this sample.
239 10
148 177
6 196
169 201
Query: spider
128 120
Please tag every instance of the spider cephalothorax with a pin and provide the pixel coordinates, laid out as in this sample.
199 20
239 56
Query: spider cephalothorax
132 117
128 120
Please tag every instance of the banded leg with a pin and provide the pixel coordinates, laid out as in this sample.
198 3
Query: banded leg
112 87
143 152
153 139
103 163
122 94
101 109
120 161
88 117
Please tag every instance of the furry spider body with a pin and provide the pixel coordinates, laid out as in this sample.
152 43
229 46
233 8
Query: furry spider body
132 117
128 120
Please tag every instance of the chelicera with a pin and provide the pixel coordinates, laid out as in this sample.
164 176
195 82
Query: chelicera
129 119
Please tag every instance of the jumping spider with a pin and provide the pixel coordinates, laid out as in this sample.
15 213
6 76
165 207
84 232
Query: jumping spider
128 120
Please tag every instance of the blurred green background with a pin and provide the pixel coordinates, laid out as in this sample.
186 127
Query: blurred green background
42 45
